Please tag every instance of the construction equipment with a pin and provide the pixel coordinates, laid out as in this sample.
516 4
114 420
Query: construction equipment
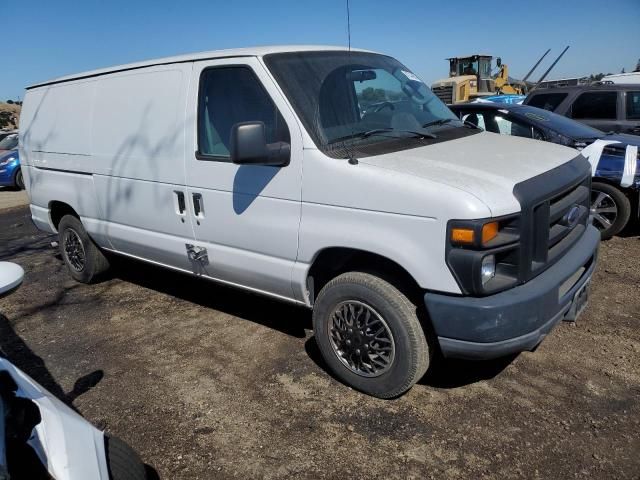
471 77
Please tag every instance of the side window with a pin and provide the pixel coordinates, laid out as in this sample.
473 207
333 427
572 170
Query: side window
476 119
547 101
633 105
230 95
499 123
595 105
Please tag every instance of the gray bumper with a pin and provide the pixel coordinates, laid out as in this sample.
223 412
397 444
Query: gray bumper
517 319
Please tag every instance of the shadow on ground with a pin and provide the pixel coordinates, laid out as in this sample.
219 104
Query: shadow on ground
442 373
284 317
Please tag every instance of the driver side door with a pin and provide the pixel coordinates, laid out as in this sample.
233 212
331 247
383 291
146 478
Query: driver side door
245 217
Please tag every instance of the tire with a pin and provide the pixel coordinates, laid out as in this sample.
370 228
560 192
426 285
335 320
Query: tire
407 354
88 262
19 180
123 462
611 209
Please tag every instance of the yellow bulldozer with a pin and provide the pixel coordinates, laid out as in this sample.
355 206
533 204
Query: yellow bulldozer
470 77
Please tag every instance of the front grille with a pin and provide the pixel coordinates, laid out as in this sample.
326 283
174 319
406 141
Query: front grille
554 231
555 213
444 93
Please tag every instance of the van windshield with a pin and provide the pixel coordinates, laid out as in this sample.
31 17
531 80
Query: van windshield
362 103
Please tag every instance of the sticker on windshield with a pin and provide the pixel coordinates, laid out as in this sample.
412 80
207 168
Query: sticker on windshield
410 76
535 116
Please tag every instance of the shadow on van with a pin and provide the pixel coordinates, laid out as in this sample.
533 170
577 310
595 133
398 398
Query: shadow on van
248 183
281 316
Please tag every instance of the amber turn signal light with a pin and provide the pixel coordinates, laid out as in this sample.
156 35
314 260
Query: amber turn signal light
489 232
463 236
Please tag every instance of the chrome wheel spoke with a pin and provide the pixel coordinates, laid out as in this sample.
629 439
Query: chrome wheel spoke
599 198
603 209
606 210
74 250
361 339
602 220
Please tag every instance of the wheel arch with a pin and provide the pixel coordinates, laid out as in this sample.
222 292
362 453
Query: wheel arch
57 210
330 262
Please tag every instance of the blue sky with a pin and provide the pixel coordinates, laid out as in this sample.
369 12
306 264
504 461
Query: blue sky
53 38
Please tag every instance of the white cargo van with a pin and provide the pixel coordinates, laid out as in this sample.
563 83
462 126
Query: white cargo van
333 179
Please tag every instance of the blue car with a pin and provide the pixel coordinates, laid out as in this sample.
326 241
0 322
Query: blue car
10 172
614 157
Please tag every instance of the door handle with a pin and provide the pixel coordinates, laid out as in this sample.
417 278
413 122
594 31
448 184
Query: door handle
198 205
180 204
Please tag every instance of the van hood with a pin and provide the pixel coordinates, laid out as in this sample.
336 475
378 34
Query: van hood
485 165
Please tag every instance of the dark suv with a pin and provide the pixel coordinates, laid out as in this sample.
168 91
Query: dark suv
607 107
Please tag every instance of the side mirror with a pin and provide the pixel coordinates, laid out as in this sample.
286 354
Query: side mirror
249 146
11 276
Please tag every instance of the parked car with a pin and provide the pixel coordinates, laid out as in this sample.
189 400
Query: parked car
508 99
607 107
256 168
614 202
623 78
10 171
8 143
41 437
5 133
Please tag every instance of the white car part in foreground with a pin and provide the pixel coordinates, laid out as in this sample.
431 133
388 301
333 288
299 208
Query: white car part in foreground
69 446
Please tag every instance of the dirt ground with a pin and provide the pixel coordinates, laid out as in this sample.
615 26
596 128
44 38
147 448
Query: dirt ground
209 382
9 198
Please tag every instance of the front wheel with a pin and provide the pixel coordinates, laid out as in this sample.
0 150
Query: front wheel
610 208
19 180
369 335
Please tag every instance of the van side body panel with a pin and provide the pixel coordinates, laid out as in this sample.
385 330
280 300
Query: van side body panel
112 148
143 159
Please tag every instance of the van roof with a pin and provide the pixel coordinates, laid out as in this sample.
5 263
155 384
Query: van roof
190 57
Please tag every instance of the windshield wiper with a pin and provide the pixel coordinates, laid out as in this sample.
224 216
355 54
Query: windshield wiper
381 131
440 121
368 133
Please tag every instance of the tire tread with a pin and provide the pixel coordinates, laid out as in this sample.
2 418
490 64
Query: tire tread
421 353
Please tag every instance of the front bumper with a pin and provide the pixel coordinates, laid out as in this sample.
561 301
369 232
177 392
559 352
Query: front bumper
514 320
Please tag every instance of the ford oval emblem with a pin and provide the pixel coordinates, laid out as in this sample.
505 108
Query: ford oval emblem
571 217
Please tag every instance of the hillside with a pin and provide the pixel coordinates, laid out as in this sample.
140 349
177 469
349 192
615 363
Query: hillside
9 115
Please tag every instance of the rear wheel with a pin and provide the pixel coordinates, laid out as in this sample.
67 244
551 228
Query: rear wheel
82 256
19 181
369 335
610 208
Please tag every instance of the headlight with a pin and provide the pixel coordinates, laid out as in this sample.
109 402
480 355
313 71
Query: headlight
7 161
467 235
488 269
483 255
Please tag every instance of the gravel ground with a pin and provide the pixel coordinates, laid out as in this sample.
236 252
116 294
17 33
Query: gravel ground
9 198
208 382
